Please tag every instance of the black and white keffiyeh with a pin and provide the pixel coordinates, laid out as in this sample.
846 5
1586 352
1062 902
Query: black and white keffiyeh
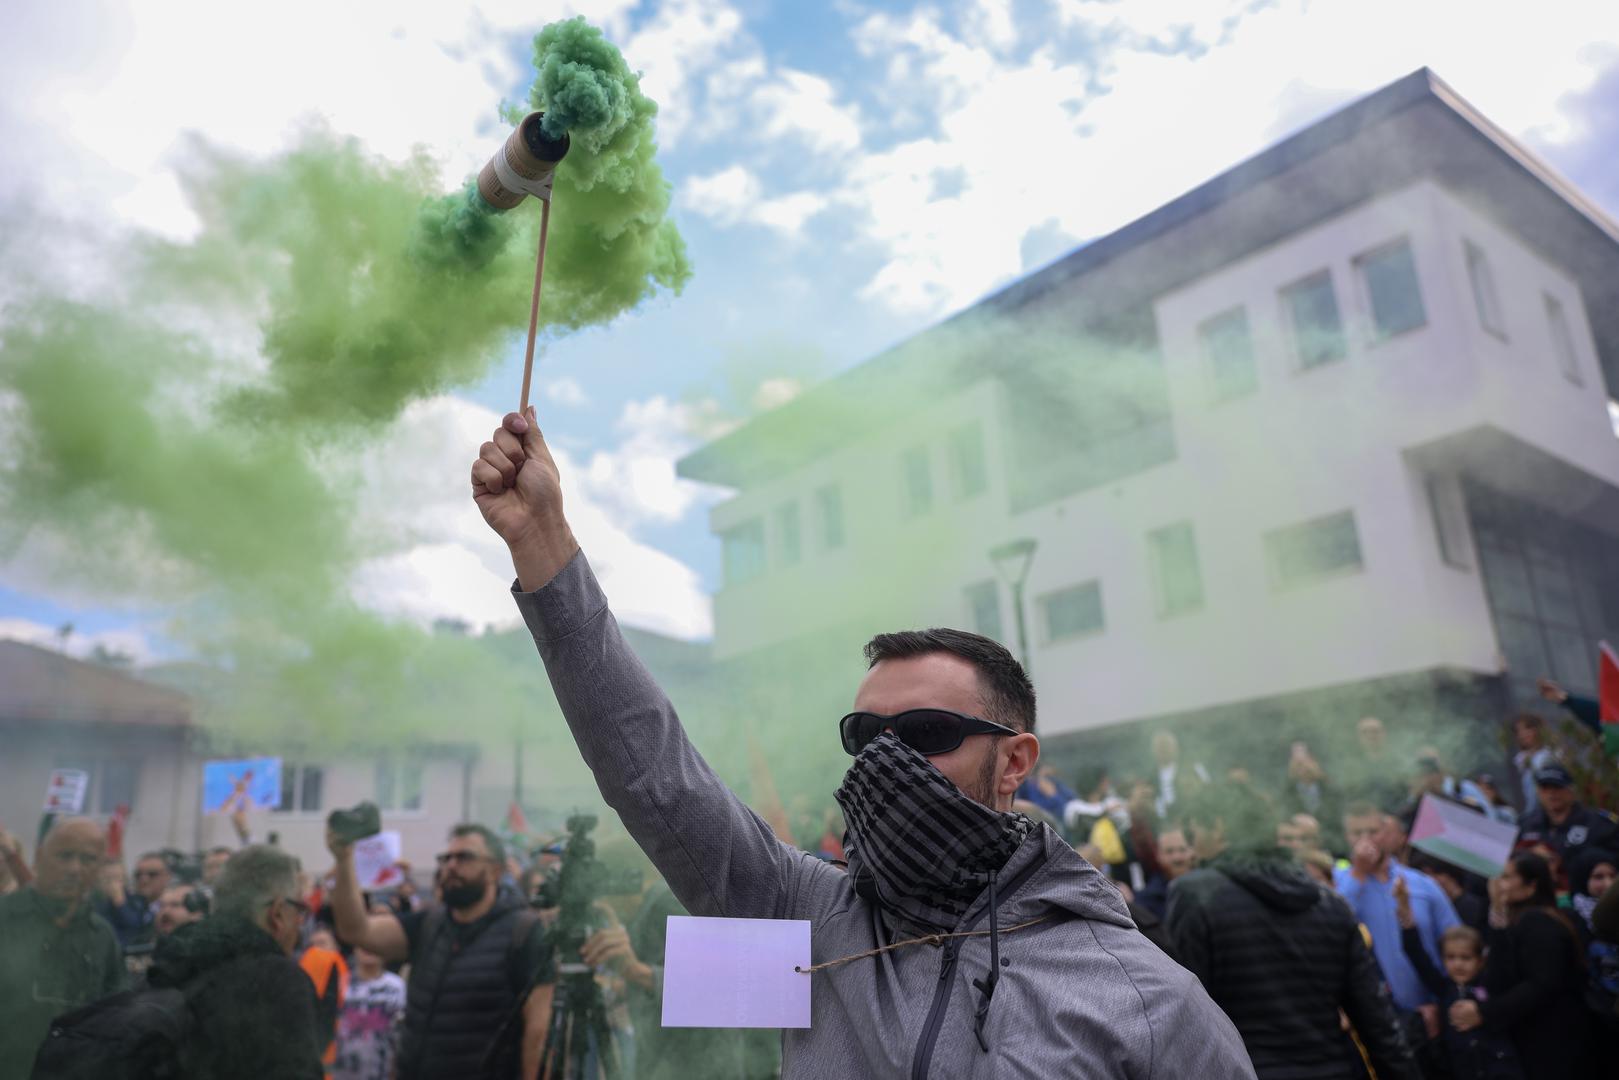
930 849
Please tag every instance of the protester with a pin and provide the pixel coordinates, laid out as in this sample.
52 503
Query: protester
14 872
1434 779
368 1029
1088 995
56 954
213 864
476 961
1532 754
1368 884
1375 775
1464 890
1561 823
1591 875
1309 793
1176 859
1277 952
1475 1053
1534 975
132 912
252 1009
1588 711
1174 780
178 907
328 973
1495 802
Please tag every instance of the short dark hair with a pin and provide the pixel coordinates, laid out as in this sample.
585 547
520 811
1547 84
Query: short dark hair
1528 719
497 850
1362 808
1008 694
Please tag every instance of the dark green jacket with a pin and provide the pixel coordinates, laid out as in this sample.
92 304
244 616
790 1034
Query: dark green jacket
47 970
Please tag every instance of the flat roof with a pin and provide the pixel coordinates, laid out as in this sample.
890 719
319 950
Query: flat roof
1412 129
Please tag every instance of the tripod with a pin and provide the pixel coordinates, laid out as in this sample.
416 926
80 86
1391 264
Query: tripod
579 1043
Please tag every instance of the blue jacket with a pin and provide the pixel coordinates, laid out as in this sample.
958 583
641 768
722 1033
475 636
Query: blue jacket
1373 902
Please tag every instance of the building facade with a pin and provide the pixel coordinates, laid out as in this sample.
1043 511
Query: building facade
1330 430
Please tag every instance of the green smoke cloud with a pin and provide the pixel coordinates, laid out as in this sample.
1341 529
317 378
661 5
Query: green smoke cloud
187 438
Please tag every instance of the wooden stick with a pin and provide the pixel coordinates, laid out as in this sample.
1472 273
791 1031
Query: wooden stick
534 308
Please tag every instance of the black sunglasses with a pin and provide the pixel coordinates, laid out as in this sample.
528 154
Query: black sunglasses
927 731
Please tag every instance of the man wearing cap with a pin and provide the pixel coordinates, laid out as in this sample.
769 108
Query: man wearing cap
1561 822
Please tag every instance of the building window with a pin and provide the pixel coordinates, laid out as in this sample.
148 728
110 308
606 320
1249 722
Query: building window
1449 512
399 784
1392 292
119 779
1073 612
984 604
1229 347
1313 550
1563 341
1484 294
1311 308
789 542
829 508
742 551
301 788
918 481
968 472
1177 581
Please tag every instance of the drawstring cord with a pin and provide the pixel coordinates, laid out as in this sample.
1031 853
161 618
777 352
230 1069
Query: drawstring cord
986 985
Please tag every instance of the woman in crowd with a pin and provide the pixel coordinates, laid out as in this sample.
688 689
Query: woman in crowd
1535 975
1591 874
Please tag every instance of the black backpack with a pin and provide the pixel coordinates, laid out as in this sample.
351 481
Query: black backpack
135 1035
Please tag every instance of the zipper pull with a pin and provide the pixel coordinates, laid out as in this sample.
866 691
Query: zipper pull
949 958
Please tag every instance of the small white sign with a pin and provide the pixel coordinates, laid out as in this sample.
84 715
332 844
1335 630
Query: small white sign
376 860
65 792
736 973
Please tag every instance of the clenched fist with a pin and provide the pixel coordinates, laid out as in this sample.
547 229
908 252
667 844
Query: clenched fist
517 488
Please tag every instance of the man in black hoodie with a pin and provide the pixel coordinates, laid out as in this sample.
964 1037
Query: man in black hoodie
1278 952
252 1008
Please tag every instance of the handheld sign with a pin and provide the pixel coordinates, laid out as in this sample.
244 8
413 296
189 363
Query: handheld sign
229 786
376 860
1462 836
64 793
736 973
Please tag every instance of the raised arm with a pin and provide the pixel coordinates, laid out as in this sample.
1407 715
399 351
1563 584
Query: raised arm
381 934
718 856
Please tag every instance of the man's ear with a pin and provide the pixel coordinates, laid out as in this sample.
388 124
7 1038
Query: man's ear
1022 755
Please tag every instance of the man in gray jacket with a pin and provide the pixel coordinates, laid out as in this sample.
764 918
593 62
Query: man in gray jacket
1003 953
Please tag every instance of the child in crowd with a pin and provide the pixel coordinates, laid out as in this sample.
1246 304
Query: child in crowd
368 1029
1479 1054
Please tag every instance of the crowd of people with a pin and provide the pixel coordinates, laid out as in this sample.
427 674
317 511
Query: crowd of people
1300 905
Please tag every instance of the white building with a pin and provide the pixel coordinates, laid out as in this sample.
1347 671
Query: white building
1334 423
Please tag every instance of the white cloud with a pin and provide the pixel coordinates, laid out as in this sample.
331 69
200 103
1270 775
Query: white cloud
798 104
735 196
681 46
133 643
445 562
773 393
565 390
117 85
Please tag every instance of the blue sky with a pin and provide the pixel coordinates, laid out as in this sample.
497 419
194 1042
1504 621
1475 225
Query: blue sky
844 173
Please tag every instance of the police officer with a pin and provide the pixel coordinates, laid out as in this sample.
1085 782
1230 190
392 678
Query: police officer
1560 822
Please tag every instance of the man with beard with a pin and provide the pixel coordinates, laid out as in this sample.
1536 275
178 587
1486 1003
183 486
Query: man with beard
55 953
474 962
964 940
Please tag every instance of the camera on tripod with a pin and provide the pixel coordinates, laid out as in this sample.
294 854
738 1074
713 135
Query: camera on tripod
579 1044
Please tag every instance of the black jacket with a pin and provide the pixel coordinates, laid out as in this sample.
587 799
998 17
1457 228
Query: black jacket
1536 984
1480 1054
1281 955
253 1008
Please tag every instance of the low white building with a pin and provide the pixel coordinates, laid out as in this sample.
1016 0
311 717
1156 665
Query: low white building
1332 428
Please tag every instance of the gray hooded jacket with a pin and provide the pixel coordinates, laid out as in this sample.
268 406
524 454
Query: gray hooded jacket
1080 995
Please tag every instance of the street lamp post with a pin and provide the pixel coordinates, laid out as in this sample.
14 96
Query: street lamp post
1012 560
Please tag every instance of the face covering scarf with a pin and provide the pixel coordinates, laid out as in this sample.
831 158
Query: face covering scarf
928 848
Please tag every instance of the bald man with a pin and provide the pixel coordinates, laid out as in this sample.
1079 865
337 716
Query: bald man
55 954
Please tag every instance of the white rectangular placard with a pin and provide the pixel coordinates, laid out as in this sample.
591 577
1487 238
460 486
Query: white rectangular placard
736 973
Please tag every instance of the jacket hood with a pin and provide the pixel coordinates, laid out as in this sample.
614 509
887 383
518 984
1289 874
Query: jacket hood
203 946
1272 875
